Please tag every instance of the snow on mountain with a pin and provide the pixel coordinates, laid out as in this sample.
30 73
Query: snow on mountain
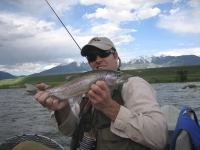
146 59
141 60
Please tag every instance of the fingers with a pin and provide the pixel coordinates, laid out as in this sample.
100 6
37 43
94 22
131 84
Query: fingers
50 102
99 93
98 89
42 86
41 97
93 97
102 85
53 104
95 93
44 99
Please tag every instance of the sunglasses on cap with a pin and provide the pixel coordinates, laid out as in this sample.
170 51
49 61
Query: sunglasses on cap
103 54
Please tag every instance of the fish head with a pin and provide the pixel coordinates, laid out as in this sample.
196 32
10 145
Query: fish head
116 77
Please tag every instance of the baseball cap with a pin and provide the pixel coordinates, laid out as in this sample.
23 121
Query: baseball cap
102 43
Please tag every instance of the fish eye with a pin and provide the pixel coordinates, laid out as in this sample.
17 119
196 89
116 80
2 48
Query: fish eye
118 75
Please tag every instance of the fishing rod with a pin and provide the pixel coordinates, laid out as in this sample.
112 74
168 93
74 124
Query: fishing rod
63 24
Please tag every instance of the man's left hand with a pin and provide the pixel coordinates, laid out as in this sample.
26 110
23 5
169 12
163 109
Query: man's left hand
100 97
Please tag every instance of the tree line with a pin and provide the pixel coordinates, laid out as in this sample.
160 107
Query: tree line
182 75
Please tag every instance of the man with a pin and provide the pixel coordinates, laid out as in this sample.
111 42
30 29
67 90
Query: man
128 117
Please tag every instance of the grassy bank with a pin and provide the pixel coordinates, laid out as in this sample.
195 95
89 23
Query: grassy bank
19 82
152 75
166 74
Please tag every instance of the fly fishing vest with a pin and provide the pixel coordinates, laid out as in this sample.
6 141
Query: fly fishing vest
99 124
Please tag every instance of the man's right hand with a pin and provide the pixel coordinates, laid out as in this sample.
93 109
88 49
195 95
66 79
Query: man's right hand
62 108
48 101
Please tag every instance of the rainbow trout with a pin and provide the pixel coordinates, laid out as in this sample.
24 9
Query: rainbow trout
76 85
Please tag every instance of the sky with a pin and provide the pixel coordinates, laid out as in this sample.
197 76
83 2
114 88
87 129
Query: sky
32 39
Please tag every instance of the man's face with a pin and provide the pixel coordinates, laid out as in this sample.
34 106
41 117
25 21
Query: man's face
109 62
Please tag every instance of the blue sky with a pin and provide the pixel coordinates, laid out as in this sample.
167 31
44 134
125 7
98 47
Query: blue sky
32 39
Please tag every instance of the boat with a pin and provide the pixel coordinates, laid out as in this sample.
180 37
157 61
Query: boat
171 113
10 143
183 128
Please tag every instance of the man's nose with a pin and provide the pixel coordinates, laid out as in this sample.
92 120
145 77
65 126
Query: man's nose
98 59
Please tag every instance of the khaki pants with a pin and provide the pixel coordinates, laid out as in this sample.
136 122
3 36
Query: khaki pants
31 145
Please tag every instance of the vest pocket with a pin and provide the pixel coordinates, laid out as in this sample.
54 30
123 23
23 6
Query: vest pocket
109 141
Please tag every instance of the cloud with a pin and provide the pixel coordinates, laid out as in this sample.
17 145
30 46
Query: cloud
124 10
173 11
146 13
110 15
60 6
179 52
194 3
182 20
50 66
25 67
123 15
176 2
33 40
181 44
21 26
118 35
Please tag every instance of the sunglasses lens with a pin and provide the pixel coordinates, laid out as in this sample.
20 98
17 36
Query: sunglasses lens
91 57
102 54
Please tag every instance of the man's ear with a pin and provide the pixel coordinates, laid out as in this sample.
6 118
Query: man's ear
116 55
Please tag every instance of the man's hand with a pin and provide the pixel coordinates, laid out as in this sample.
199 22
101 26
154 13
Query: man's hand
48 101
61 108
99 94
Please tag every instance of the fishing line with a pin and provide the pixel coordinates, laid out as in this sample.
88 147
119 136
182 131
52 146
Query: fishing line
63 24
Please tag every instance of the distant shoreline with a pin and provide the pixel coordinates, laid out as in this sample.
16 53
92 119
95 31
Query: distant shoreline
151 75
23 86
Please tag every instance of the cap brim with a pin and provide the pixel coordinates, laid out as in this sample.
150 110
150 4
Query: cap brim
97 45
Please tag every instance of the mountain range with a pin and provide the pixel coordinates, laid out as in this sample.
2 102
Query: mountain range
143 62
140 62
5 75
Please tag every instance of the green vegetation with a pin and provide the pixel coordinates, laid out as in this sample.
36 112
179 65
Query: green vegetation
167 74
152 75
182 75
19 82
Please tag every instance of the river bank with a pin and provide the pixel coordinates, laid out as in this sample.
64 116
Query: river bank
151 75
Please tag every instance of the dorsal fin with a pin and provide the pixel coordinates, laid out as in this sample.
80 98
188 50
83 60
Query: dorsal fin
71 77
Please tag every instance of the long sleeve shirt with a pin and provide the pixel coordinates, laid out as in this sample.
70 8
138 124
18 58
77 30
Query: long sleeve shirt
140 118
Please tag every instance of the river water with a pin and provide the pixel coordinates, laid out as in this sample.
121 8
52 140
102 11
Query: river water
22 114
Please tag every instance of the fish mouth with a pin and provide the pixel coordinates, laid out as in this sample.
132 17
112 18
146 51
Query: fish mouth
123 79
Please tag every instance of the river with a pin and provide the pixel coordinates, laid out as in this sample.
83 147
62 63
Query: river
22 114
